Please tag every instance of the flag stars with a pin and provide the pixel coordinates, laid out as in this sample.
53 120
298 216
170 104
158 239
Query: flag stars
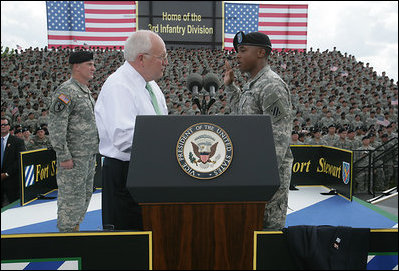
65 15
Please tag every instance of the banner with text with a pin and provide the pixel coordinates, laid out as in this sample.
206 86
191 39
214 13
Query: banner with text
183 23
322 165
38 174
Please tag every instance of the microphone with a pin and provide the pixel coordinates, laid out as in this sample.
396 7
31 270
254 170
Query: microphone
211 84
194 84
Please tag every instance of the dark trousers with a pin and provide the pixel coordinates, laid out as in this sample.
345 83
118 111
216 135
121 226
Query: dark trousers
9 190
119 210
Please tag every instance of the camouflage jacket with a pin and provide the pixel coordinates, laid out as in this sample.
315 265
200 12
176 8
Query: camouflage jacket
343 144
361 153
72 127
267 94
37 143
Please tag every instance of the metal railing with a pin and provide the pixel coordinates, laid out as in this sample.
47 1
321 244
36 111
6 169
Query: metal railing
377 166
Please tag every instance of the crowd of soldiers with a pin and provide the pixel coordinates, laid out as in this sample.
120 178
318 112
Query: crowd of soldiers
337 100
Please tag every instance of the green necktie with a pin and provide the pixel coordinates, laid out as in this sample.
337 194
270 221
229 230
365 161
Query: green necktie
153 99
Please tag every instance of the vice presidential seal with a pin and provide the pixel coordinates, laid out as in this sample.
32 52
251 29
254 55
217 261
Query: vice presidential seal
204 151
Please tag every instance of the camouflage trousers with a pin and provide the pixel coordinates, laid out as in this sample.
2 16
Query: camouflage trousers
276 208
361 182
389 173
379 179
75 188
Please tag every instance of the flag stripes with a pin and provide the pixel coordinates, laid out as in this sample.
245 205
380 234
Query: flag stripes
286 25
90 23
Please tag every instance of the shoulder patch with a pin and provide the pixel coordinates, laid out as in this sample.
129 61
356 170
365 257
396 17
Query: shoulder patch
64 98
275 108
59 106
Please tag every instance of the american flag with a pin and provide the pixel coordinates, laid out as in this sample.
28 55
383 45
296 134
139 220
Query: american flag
382 121
333 68
286 25
90 23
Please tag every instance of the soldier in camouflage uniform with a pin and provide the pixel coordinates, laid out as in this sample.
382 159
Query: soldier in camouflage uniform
264 93
31 122
342 142
331 137
388 161
316 138
74 137
40 140
379 174
361 179
352 140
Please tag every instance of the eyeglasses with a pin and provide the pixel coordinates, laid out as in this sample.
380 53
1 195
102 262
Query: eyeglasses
4 124
162 58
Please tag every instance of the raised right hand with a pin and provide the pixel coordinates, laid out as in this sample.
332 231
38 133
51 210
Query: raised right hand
229 73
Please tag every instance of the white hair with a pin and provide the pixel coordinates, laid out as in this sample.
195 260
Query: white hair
139 42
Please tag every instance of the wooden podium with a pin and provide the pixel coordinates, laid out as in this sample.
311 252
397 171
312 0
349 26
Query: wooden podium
202 224
203 235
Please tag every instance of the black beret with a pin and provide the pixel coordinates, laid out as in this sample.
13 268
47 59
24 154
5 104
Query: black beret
366 137
253 38
38 128
80 57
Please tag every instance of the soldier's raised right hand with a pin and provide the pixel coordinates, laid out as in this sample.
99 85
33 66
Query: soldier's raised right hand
229 73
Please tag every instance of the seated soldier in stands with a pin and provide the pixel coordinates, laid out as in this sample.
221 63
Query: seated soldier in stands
357 122
294 139
316 138
328 120
330 138
39 141
342 142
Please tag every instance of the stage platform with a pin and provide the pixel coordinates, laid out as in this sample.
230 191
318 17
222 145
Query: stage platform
306 206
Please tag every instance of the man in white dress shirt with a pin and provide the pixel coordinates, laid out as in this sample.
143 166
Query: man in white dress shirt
128 92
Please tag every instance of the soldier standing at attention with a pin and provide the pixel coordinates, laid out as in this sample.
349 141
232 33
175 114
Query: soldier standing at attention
74 137
264 93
